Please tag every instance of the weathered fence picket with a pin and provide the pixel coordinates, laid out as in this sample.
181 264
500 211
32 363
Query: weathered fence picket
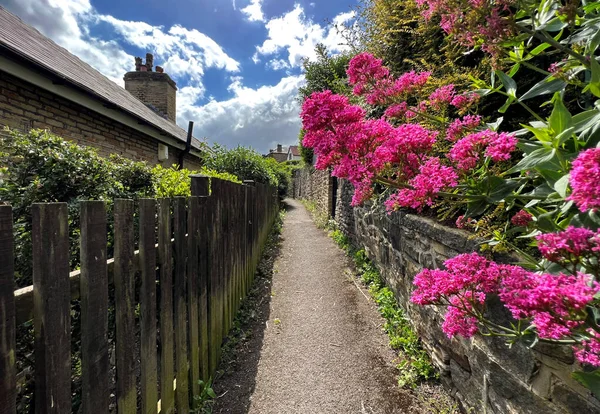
124 274
52 308
8 390
148 359
192 296
165 264
202 251
181 337
94 308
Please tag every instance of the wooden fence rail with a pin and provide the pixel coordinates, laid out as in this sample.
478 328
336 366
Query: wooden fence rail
196 260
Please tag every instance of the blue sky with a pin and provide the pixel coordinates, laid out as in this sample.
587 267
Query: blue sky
237 63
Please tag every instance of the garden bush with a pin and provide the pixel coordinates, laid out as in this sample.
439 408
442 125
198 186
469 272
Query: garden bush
39 166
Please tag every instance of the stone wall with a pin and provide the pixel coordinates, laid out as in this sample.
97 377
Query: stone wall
24 106
482 373
316 186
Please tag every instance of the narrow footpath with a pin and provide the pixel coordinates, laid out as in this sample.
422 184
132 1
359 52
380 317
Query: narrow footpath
318 344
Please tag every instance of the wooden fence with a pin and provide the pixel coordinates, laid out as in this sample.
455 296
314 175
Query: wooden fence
195 263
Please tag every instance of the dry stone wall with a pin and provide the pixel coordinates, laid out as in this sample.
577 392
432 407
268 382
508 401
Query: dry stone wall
482 373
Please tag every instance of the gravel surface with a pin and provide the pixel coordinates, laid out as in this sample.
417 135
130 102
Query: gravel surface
317 344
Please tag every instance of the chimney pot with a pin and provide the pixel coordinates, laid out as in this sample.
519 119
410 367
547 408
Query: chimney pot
149 61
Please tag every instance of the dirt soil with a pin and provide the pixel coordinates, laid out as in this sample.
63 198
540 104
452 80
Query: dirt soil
316 343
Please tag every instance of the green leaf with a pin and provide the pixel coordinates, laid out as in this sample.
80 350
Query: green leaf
564 136
499 188
560 118
594 85
539 158
593 43
561 185
211 393
590 380
509 84
546 86
539 49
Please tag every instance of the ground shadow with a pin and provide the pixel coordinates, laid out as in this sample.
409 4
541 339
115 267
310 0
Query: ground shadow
236 379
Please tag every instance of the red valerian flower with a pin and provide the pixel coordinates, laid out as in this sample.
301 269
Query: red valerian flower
585 180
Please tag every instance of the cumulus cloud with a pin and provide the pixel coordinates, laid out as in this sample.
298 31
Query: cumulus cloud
183 51
66 22
296 36
253 11
260 118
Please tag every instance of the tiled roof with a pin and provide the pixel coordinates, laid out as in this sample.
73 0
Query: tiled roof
294 150
31 45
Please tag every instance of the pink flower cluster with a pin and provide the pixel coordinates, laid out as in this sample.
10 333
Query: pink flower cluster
522 218
588 351
432 178
460 126
555 304
585 180
466 152
569 246
479 23
373 80
441 96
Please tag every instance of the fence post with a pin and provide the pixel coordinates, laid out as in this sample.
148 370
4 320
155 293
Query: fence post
215 304
124 276
94 308
8 392
181 346
148 306
200 188
165 262
192 275
52 308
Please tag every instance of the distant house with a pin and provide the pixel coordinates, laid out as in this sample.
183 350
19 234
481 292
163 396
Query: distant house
293 153
44 86
280 154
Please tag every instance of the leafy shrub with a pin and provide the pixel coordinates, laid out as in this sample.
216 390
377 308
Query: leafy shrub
42 167
176 182
244 163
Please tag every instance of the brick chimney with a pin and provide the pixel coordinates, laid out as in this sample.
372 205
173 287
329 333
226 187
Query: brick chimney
155 89
279 148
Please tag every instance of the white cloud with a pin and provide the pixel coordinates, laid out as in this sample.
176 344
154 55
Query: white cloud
278 64
296 35
260 117
66 22
254 11
183 51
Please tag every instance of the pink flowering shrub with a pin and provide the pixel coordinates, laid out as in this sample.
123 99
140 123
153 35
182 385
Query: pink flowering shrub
556 305
434 150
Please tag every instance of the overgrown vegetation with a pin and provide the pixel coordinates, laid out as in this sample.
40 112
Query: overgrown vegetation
414 363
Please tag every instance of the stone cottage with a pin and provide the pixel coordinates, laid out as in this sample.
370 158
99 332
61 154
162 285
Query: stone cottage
44 86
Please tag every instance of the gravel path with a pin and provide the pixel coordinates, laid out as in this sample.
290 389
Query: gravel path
318 346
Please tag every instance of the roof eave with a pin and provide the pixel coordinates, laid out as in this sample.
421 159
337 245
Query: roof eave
46 78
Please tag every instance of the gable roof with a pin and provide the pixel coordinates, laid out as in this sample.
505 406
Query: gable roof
294 150
31 45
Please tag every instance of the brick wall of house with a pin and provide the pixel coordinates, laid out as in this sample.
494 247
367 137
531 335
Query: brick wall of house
24 106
